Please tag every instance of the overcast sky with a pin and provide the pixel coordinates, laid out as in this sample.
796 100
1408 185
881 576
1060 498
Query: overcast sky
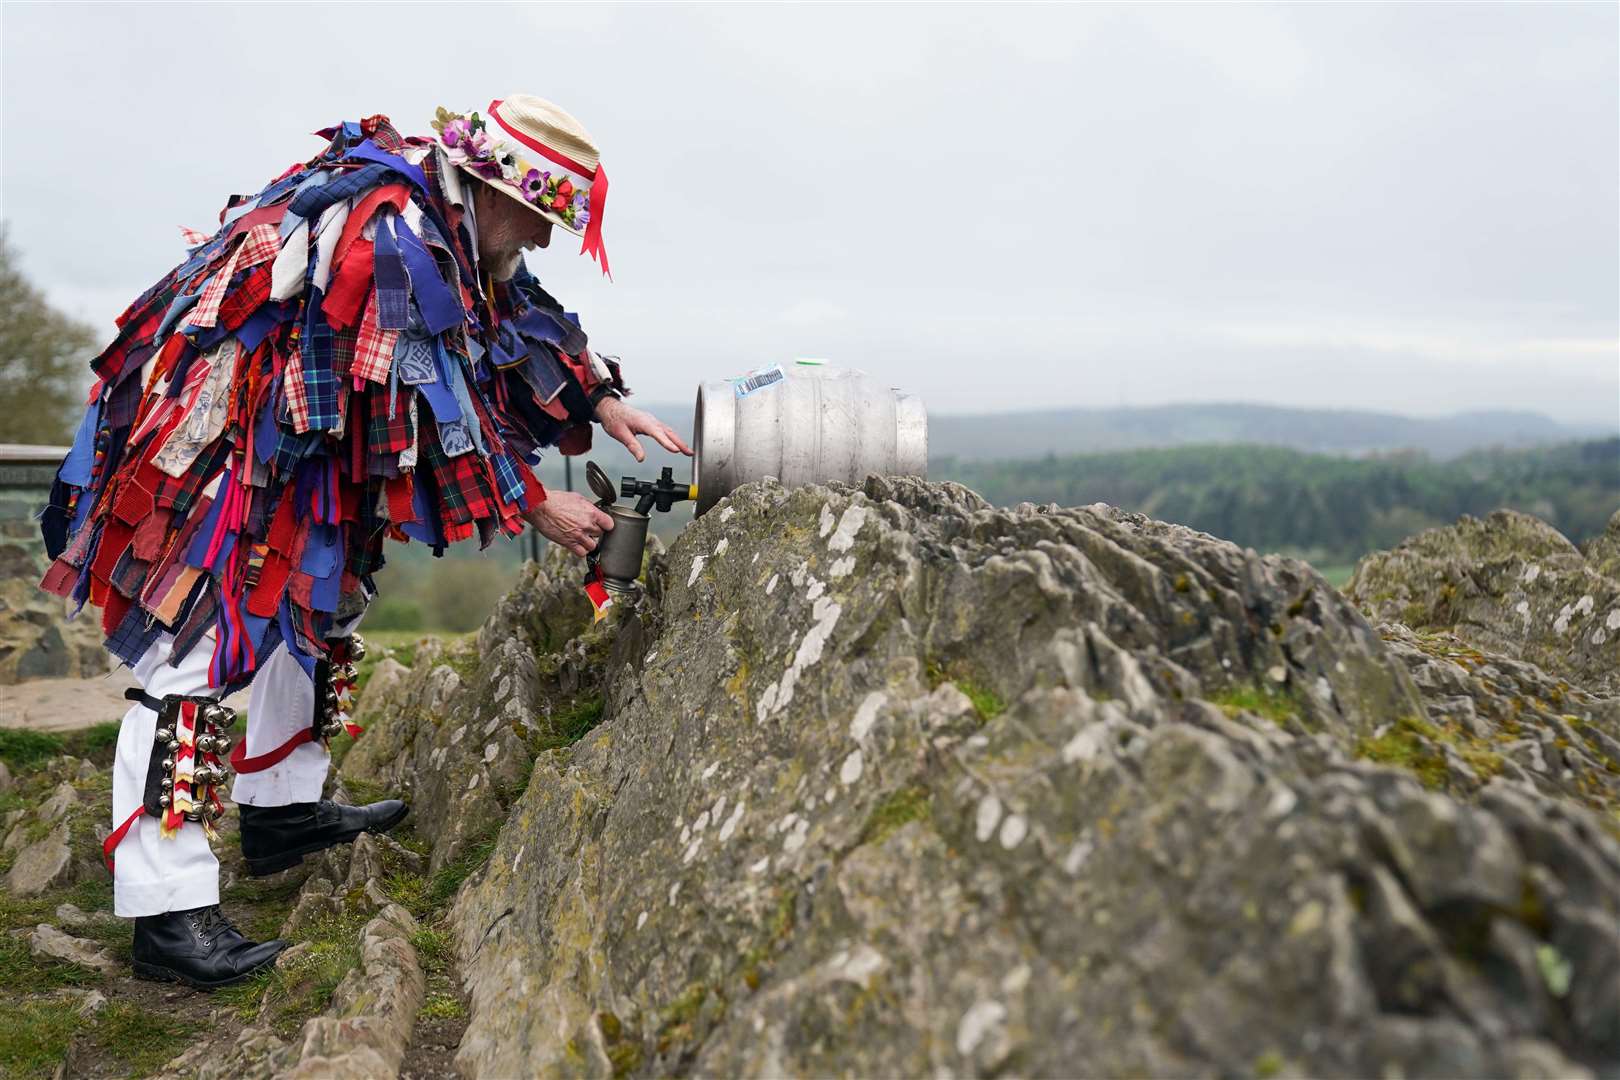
1409 208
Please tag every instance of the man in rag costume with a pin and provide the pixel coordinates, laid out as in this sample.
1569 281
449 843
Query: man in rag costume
358 353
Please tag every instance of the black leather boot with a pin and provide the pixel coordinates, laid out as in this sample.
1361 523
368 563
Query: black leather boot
276 837
198 947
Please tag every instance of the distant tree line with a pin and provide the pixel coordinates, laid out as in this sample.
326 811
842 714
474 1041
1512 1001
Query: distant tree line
1325 508
44 360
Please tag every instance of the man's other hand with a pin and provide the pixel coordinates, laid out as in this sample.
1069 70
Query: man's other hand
570 520
624 423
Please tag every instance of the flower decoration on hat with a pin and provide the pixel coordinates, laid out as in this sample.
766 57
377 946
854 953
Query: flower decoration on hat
468 142
567 186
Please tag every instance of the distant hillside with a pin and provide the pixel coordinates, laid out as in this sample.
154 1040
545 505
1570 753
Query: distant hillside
1330 509
1005 436
1326 431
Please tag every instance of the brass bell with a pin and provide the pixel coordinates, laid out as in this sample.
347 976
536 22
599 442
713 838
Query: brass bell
163 800
174 744
331 728
213 811
357 647
205 744
167 783
222 746
164 734
168 764
219 715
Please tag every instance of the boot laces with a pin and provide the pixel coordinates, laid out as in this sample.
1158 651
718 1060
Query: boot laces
211 922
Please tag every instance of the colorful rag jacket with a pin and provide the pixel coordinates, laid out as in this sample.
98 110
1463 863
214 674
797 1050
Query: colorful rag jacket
329 369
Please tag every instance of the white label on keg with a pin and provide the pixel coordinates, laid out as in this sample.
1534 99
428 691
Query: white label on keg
758 380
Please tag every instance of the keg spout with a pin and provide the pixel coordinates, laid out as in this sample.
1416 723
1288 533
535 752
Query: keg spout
663 493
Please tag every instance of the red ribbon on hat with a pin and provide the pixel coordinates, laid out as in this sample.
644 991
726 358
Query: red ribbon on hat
593 245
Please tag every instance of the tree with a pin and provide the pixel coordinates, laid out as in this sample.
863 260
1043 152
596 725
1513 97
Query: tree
44 358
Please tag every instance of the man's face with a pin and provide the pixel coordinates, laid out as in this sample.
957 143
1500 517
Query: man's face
506 228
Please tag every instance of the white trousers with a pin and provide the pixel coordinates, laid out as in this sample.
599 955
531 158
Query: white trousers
153 874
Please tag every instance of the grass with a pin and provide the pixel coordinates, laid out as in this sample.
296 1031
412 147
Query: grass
1337 575
444 885
1413 744
24 748
899 808
142 1039
1408 744
400 644
294 990
987 704
34 1036
1274 705
568 724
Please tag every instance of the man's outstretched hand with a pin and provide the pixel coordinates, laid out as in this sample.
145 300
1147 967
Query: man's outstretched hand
570 520
625 422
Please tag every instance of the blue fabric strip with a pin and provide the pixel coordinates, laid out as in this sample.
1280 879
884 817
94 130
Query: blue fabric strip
320 551
369 151
239 210
511 484
426 527
265 435
80 460
393 286
290 639
440 397
440 308
258 325
312 202
180 305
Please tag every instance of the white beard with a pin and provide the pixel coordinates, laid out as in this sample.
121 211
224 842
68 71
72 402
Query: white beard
502 269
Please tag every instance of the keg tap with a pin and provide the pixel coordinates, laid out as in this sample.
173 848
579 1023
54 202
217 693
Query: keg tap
616 562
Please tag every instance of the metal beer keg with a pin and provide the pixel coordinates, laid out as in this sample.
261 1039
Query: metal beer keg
804 423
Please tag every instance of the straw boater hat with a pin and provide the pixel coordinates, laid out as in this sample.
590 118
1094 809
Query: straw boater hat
550 165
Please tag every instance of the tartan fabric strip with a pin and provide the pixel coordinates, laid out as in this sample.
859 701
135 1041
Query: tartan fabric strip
511 484
390 434
259 244
245 299
133 635
374 347
320 385
315 200
292 385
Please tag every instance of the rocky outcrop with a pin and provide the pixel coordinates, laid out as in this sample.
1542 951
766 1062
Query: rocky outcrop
1511 584
37 640
457 735
889 782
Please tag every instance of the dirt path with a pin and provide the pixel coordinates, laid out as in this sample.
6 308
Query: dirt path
66 704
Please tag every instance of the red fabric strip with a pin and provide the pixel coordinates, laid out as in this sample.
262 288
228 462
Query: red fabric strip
117 835
244 764
277 567
350 287
394 194
400 506
60 579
